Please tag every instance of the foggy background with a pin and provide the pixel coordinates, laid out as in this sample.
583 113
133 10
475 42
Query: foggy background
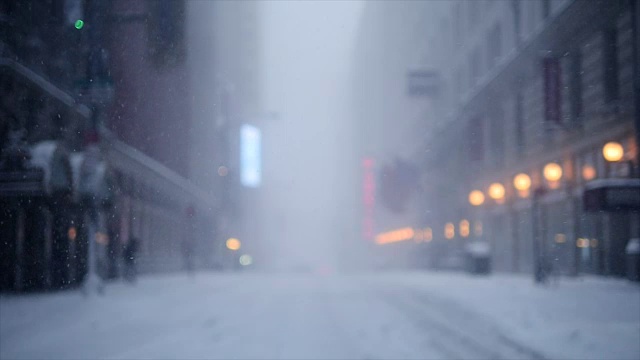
307 46
199 179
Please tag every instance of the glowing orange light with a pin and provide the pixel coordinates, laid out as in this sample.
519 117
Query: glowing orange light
588 172
72 233
552 172
476 198
464 228
582 243
449 231
496 191
418 236
522 182
395 236
233 244
560 238
613 151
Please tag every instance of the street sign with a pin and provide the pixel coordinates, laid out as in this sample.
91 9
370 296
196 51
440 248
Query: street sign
423 82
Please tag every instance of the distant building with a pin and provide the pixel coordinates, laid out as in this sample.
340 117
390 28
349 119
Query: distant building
389 125
524 84
225 65
533 83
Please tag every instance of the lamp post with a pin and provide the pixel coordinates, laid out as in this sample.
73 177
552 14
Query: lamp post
497 192
614 152
99 91
552 173
522 184
476 199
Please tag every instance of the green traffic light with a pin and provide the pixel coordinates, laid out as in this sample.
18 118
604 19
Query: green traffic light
79 24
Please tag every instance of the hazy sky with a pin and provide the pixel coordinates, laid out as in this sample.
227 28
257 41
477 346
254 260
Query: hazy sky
307 48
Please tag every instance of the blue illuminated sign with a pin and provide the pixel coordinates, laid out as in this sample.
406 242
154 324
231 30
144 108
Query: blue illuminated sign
250 156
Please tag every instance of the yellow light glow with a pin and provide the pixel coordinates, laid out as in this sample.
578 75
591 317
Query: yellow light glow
464 228
449 231
588 172
552 172
477 228
496 191
582 243
613 151
476 198
428 234
522 182
560 238
102 238
233 244
395 236
72 233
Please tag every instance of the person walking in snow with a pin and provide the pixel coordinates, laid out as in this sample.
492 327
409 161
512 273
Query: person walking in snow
130 254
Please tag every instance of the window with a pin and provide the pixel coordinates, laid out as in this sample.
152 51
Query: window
546 8
494 46
166 32
519 124
530 11
476 139
575 85
610 61
457 24
473 13
474 66
496 138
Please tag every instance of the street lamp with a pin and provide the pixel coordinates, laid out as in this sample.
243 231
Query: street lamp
588 172
476 198
496 192
613 151
552 172
522 183
233 244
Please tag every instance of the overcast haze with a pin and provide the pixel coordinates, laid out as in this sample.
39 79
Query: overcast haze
306 55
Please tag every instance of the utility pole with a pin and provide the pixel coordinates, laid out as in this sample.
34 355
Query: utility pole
99 92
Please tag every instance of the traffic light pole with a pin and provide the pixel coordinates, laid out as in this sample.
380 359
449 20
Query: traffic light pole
95 71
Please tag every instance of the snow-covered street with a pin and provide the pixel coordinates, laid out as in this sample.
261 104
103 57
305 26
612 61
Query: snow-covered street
304 316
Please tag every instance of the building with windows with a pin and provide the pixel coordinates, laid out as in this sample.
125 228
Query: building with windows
529 94
94 136
537 88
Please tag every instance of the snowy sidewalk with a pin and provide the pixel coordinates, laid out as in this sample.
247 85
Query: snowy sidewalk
578 318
